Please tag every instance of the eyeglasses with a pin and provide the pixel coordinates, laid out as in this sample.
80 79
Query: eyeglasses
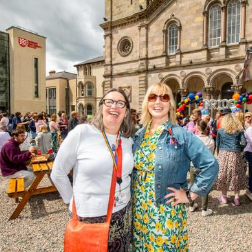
163 98
110 102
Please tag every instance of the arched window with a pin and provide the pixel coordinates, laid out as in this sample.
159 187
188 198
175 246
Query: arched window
172 38
233 21
89 109
81 89
214 25
226 91
89 89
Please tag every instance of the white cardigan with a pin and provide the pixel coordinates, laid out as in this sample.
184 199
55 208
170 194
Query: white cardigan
85 150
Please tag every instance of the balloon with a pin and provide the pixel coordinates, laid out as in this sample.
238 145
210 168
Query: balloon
236 101
250 97
238 105
249 102
198 100
179 104
199 94
236 96
241 97
191 96
244 99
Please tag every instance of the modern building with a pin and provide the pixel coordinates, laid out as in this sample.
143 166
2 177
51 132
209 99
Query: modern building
22 70
60 92
192 46
4 72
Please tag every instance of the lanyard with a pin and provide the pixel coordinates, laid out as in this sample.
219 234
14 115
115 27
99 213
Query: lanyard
118 166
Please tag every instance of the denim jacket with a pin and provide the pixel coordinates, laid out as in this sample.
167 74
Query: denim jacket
175 149
230 142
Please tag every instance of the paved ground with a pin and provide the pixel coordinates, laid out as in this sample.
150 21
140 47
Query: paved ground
40 227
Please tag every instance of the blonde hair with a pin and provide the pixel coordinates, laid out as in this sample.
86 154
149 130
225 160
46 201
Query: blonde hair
53 117
231 124
165 89
43 128
240 116
248 114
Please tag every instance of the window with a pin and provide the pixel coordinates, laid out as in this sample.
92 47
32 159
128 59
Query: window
172 39
51 94
89 109
215 25
72 107
89 89
36 84
233 21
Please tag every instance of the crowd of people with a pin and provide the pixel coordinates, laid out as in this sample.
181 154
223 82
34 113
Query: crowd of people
158 152
21 137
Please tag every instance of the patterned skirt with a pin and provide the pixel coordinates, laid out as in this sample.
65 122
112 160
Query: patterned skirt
232 173
120 234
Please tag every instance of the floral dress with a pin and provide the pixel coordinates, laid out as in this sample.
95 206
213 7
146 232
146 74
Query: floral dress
161 227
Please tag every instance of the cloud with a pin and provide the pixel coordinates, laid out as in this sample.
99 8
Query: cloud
71 27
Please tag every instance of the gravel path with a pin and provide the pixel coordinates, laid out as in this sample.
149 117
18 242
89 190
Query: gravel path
40 226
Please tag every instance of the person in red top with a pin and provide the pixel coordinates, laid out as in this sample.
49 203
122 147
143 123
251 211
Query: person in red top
13 161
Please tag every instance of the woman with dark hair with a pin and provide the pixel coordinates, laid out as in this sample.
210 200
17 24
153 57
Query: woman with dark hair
40 121
89 149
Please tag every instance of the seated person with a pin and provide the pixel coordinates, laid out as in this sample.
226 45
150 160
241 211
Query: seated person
4 135
13 161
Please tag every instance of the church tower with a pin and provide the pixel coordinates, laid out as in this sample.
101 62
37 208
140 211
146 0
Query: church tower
124 8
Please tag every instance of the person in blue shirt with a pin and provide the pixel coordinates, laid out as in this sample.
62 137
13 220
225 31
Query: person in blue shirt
162 152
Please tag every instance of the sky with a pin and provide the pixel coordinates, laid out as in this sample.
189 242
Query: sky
71 28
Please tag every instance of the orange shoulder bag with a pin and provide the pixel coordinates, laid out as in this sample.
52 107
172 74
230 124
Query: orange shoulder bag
87 237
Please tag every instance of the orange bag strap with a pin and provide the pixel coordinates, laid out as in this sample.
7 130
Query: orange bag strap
112 187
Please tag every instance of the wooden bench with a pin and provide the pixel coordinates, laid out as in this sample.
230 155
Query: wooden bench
17 189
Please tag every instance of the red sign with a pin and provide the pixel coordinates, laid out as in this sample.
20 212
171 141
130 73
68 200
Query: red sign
25 42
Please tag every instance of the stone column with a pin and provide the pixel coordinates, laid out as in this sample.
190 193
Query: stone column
209 92
243 19
165 43
205 21
223 24
183 92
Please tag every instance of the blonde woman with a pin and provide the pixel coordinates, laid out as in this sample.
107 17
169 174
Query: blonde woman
248 119
240 116
232 175
163 152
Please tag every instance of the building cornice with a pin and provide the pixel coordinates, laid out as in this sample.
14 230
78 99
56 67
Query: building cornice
151 12
180 67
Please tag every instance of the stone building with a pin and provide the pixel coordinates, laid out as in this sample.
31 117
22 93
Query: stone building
194 45
60 92
22 70
90 82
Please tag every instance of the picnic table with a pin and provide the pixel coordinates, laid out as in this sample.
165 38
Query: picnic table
40 167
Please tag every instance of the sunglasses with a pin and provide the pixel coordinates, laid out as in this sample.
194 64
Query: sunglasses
247 116
163 98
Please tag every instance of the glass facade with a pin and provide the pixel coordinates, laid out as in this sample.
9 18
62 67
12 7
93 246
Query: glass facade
4 72
51 101
36 78
215 25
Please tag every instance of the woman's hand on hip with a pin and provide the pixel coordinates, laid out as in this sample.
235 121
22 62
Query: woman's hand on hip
177 196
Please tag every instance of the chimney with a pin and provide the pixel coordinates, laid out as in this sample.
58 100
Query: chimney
52 72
